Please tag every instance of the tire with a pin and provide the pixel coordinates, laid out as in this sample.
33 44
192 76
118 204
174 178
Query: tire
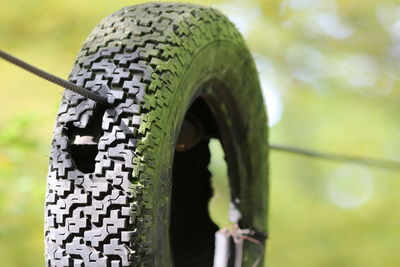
128 185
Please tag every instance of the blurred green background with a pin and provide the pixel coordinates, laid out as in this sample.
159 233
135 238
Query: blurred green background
329 71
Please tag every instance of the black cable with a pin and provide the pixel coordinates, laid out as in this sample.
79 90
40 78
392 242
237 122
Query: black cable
54 79
380 163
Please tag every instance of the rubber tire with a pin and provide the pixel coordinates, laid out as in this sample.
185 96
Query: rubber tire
152 61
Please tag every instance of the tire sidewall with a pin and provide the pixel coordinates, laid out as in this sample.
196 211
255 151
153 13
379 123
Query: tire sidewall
238 102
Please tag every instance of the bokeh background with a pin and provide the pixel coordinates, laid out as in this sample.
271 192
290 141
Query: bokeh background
330 74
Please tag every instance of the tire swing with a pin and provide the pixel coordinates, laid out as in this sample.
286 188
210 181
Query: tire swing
128 184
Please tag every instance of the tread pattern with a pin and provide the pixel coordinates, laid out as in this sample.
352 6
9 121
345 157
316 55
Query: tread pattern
135 57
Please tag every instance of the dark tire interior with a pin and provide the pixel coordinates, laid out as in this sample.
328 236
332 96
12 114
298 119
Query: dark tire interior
192 232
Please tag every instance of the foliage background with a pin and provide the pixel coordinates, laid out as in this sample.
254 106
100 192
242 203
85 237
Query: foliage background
329 69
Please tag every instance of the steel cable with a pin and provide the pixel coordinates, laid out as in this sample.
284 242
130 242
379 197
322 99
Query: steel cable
54 79
380 163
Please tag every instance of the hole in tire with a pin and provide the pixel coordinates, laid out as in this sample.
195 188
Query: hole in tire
84 142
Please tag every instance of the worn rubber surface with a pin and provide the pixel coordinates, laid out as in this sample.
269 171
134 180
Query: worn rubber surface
151 61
